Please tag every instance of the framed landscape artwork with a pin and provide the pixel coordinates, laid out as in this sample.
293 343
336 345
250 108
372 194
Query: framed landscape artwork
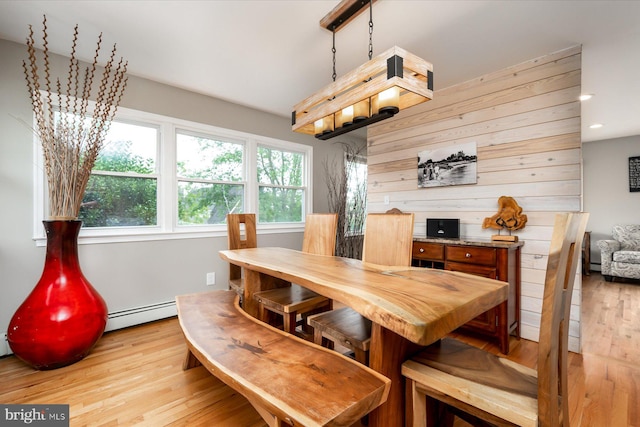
455 165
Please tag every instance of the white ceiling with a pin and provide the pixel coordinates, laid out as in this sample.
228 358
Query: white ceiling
270 54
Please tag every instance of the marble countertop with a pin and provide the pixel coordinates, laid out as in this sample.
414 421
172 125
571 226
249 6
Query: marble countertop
463 241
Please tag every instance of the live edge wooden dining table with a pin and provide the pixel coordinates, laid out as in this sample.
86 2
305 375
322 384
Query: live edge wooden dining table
409 307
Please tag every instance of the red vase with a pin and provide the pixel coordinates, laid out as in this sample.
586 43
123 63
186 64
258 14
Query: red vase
64 316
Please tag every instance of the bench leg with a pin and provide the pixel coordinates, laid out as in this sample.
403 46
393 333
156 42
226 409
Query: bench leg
416 405
320 340
268 417
290 322
263 314
190 361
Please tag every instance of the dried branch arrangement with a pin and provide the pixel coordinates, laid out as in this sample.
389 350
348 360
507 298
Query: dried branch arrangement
349 204
72 139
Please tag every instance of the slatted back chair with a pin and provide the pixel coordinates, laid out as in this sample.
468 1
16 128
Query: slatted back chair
236 239
388 239
291 302
453 377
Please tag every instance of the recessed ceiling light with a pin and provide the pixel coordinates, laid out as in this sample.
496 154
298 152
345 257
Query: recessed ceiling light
596 126
585 97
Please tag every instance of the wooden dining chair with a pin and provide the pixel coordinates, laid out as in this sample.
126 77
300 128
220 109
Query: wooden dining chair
291 302
388 239
237 238
451 377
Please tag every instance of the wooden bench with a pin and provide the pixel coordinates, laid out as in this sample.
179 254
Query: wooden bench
284 377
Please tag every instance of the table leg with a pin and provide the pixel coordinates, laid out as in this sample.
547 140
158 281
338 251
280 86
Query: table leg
387 352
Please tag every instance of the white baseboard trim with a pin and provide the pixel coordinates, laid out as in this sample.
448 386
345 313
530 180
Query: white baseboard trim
120 319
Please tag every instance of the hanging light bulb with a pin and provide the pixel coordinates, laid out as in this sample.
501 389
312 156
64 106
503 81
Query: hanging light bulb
347 116
389 101
361 110
324 125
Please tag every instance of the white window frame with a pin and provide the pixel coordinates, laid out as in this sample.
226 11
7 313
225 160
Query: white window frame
306 179
167 210
216 136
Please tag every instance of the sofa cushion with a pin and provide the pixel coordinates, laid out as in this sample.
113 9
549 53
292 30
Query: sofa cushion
628 236
631 257
631 245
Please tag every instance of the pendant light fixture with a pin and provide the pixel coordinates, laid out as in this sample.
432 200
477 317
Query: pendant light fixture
378 89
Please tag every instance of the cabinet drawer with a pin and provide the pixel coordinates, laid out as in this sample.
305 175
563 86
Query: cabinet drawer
477 270
472 255
429 251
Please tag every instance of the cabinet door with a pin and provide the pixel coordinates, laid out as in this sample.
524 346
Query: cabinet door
487 321
477 270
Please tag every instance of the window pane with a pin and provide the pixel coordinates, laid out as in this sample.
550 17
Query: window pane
356 202
280 204
200 203
202 171
205 158
129 148
116 201
279 167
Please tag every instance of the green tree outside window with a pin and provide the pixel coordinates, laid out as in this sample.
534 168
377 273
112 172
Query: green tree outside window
123 187
210 179
280 185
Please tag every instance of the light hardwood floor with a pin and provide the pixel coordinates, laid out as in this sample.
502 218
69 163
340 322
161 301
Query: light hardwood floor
135 377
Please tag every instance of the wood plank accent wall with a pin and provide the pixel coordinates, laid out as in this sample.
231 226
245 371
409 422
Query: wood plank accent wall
525 120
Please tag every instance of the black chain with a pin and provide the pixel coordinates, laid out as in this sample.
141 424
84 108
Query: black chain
370 29
333 50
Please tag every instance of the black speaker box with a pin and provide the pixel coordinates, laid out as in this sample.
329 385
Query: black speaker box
443 227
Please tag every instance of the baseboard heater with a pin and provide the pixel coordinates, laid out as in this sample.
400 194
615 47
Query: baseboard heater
121 319
139 315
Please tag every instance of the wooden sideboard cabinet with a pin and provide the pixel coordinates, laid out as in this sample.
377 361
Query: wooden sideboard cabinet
496 260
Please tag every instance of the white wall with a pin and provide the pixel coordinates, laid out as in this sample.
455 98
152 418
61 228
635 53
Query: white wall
128 275
606 188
